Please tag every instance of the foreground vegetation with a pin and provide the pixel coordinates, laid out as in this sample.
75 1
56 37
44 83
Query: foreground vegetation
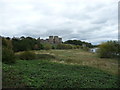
58 66
108 49
61 68
81 57
46 74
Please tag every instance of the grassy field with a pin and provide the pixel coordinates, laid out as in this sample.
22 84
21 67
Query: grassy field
83 58
70 69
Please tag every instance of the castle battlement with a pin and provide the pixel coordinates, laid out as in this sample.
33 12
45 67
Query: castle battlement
52 40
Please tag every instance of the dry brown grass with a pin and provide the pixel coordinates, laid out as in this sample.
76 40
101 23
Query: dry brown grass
81 57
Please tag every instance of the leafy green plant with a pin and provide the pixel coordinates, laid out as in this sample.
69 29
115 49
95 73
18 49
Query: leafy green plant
109 49
47 46
8 55
27 55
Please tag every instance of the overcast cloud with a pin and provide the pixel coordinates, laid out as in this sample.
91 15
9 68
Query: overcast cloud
93 21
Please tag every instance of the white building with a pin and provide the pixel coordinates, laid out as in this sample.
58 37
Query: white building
94 50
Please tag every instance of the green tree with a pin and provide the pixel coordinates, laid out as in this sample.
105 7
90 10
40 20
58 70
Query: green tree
109 49
7 43
7 52
24 44
78 42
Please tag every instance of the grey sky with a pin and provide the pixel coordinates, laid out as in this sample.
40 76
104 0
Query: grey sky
94 21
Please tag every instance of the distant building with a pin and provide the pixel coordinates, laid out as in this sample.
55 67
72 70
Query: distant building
51 40
94 50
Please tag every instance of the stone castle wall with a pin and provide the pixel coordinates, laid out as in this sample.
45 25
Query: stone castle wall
52 40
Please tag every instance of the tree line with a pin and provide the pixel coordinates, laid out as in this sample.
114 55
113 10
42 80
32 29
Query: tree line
110 49
12 45
78 42
29 43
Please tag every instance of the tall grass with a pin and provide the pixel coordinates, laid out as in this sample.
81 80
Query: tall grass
82 57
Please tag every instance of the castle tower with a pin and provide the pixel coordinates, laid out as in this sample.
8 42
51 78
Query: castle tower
51 39
56 40
60 40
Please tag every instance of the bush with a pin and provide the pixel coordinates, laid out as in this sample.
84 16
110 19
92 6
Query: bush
45 56
54 46
64 46
8 55
7 43
109 49
76 46
27 55
85 48
47 46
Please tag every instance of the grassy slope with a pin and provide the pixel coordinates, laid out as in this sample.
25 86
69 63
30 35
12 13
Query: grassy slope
43 73
83 58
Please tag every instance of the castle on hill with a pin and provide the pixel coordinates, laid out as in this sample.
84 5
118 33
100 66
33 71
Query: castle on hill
51 40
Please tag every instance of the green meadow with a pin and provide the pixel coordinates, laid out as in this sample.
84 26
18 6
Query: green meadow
62 69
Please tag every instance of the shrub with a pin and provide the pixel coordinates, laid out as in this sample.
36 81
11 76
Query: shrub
108 49
64 46
85 48
47 46
8 55
45 56
54 46
38 46
27 55
7 43
76 46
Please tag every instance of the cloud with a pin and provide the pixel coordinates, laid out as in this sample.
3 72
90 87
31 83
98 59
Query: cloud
70 19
